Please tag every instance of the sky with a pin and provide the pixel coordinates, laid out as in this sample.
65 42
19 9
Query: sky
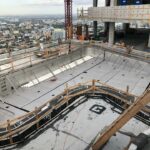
40 7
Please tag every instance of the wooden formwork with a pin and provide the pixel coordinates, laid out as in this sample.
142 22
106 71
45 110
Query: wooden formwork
90 86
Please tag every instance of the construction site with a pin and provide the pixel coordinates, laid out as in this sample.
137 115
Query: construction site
85 92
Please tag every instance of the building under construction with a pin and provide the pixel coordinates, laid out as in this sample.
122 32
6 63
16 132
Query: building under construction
127 12
79 94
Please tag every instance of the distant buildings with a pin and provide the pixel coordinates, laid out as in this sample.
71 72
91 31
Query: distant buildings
16 33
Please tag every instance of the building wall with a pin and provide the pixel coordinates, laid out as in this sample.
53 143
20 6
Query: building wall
13 80
122 14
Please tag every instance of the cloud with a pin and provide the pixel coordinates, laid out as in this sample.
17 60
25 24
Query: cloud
83 2
56 2
44 2
41 6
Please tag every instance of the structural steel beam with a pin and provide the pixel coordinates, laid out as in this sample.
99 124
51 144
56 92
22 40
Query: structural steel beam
122 120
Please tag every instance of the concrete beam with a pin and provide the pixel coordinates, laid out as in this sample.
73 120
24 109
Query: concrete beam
121 14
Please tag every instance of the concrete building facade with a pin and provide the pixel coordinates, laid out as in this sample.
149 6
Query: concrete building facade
118 11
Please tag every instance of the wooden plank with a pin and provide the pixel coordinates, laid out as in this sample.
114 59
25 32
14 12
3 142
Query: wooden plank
122 120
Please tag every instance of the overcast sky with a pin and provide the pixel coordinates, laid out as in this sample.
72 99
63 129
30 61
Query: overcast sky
33 7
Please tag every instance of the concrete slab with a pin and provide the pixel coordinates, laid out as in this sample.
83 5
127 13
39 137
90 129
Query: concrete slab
117 71
79 128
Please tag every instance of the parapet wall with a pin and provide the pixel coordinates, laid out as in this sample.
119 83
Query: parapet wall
14 80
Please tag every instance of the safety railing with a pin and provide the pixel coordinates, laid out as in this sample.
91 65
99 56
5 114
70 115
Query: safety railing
136 54
25 59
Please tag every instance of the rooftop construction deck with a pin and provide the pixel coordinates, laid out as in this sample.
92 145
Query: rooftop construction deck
32 86
88 91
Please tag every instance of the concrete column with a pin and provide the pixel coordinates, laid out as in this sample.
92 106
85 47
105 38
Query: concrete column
111 33
106 24
106 28
95 3
95 28
113 3
107 2
149 41
112 26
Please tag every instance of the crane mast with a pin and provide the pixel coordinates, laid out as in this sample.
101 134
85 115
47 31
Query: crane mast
68 19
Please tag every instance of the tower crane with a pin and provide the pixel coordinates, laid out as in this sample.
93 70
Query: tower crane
68 19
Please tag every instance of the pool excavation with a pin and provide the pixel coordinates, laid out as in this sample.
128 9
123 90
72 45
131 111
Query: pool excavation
21 128
33 99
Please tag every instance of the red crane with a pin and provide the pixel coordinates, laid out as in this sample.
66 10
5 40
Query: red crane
68 19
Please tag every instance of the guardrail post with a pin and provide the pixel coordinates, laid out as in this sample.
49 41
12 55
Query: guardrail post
37 117
12 64
127 90
46 53
9 131
30 60
67 92
104 55
93 86
93 83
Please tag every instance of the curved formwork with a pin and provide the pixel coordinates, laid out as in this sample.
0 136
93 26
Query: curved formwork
21 128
